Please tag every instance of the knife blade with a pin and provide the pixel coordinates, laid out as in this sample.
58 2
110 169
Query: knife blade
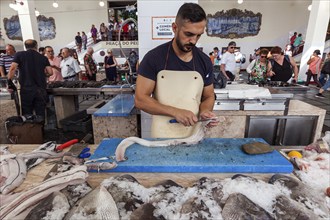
200 120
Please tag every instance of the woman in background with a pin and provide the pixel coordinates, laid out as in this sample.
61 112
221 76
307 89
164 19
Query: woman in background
288 50
258 67
314 68
94 33
110 63
84 39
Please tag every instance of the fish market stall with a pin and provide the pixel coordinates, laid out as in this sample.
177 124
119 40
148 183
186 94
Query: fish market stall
65 94
246 110
118 118
141 195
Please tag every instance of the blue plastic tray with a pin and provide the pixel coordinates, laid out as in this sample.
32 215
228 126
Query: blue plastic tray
212 155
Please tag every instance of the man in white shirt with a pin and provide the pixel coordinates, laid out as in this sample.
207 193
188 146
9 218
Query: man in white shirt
69 66
228 62
238 59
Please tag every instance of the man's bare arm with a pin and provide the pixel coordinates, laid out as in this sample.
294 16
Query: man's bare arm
223 70
2 71
48 71
12 70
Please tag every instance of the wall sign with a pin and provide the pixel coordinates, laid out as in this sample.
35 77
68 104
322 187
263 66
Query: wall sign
46 27
233 23
162 28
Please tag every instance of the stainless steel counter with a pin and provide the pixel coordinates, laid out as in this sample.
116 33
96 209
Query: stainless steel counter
268 99
88 91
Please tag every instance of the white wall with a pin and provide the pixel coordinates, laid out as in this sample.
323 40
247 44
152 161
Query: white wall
279 19
159 8
70 17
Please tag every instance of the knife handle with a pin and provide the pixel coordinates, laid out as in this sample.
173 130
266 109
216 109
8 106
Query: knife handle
173 121
67 144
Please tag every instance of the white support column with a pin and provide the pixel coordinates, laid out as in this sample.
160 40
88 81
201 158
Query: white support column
28 20
315 34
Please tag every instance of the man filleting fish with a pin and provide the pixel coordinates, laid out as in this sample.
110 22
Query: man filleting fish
175 79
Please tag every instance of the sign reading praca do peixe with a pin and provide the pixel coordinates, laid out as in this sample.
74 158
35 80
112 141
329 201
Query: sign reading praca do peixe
233 23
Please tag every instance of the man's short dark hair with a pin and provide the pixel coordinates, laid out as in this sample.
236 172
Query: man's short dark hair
41 49
191 12
31 44
232 43
216 48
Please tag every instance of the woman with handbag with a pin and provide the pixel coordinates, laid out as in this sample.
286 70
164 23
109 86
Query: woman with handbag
110 63
314 68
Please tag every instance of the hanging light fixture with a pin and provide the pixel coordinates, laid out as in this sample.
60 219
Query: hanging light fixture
309 7
101 3
239 1
55 4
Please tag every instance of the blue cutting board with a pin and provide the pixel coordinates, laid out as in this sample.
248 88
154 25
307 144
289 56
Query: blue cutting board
212 155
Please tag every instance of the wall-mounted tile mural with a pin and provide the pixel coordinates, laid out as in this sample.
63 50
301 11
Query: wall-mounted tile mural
46 27
233 23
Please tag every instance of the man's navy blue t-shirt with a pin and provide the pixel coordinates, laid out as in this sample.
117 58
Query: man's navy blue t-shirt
154 61
31 65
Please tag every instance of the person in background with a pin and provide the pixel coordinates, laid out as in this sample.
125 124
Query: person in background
258 68
111 28
84 40
41 50
255 55
212 57
314 68
217 56
60 54
293 38
297 42
78 41
6 60
132 63
90 64
325 72
5 63
228 62
133 60
125 30
55 63
69 66
33 68
172 65
111 64
288 50
238 58
104 32
74 54
94 33
281 67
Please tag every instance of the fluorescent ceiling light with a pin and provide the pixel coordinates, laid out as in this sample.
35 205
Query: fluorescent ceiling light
239 1
101 3
55 4
309 7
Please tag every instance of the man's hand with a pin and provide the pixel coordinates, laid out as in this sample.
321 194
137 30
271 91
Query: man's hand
185 117
207 115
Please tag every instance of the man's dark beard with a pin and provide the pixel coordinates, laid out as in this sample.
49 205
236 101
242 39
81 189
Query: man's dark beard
182 48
